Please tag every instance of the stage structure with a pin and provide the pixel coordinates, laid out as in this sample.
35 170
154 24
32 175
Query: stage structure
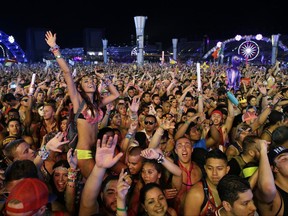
10 49
248 47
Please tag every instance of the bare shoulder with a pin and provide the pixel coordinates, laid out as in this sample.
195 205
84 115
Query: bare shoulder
196 191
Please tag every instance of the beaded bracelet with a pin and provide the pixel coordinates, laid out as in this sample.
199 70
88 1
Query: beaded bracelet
72 174
43 153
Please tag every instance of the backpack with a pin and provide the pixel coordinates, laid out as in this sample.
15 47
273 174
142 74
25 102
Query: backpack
72 132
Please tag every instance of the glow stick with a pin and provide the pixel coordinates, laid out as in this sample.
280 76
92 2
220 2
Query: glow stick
31 89
33 79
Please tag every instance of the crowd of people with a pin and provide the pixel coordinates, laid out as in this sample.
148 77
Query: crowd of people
153 139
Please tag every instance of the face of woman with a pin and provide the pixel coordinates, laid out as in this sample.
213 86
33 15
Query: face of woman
63 125
155 203
149 173
122 110
88 84
60 178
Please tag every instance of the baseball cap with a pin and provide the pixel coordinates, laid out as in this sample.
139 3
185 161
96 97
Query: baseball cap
275 152
248 116
31 192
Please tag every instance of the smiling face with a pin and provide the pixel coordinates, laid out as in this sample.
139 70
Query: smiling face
155 203
87 84
60 178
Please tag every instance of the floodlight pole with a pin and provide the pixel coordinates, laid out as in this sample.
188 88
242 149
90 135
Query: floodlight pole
275 41
140 25
105 42
174 42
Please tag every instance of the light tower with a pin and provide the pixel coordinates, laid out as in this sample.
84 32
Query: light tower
105 42
140 25
275 41
174 43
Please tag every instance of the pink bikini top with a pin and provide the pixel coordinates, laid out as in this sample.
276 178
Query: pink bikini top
86 114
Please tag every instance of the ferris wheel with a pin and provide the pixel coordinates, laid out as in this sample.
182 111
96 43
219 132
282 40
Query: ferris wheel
249 50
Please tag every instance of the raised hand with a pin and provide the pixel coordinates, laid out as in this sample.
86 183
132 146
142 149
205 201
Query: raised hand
72 158
122 186
105 152
55 142
150 153
166 124
134 105
50 38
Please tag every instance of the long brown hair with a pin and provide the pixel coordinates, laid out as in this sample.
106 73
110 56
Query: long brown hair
92 105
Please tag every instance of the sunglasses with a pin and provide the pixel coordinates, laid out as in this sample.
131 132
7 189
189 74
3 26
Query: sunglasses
149 122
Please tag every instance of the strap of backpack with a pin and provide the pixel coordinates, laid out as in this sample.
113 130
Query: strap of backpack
206 192
79 110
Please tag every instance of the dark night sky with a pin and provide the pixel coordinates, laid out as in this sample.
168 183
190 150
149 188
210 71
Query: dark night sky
166 19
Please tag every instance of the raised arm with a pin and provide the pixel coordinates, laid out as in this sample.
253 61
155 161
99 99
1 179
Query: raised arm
175 170
104 159
55 49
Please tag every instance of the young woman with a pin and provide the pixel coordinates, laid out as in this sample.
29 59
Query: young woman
84 89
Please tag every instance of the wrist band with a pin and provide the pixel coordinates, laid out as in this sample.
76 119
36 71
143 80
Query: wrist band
58 56
55 48
121 209
43 153
128 135
160 159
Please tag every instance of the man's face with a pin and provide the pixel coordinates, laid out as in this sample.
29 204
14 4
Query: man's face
216 118
244 205
188 101
183 149
281 163
24 152
156 100
147 98
48 112
109 196
134 164
13 128
150 124
215 169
